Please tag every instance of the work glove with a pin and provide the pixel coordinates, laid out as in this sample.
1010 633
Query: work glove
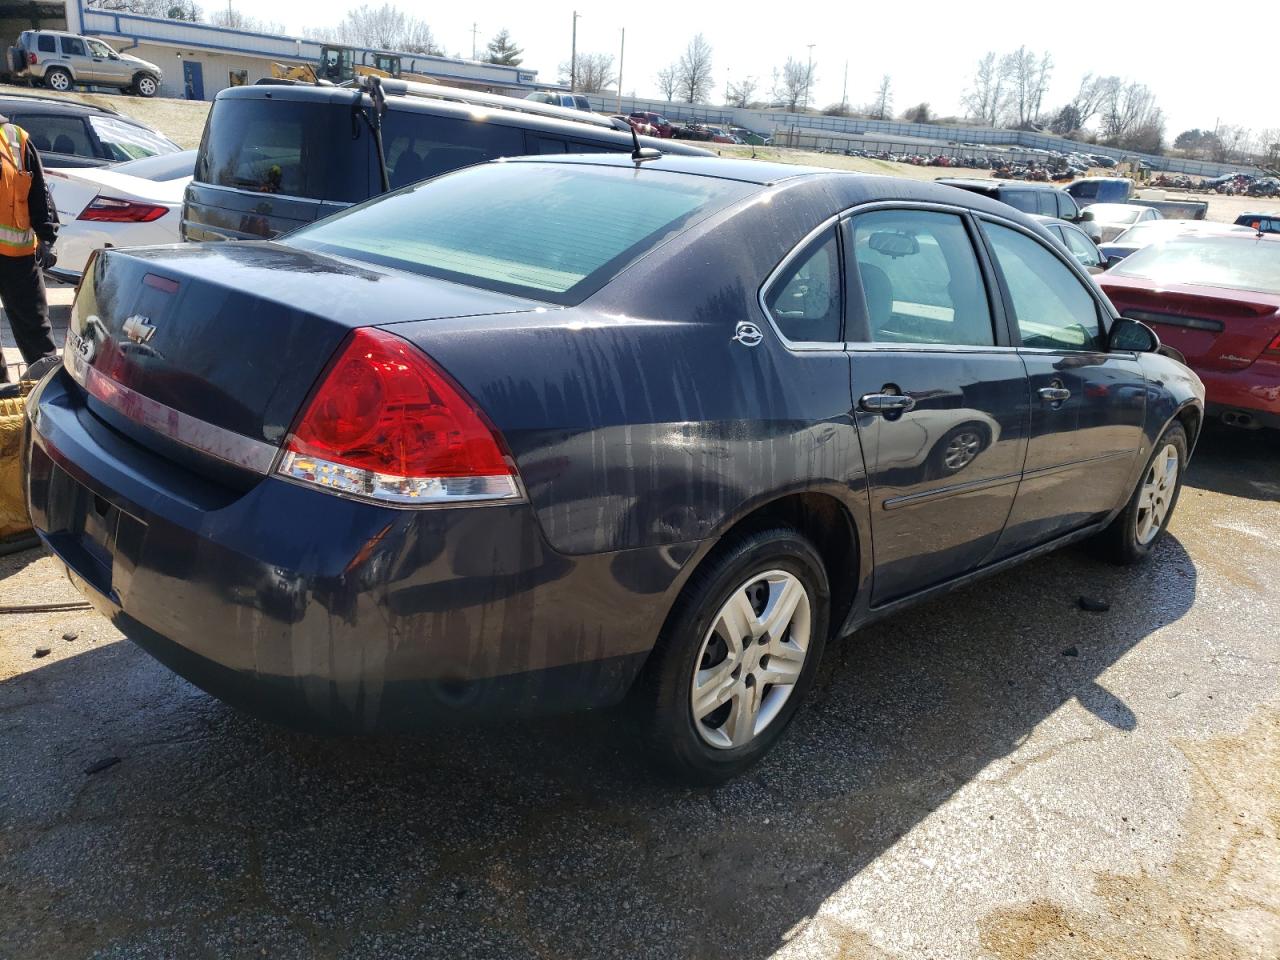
45 257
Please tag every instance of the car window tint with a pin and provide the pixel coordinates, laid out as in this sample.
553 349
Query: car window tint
1047 203
1023 200
45 44
125 141
555 231
1067 209
54 134
546 145
920 279
1053 309
1082 247
73 46
804 300
421 145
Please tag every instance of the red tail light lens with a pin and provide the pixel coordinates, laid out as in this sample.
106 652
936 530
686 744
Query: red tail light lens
387 424
1273 348
31 59
111 210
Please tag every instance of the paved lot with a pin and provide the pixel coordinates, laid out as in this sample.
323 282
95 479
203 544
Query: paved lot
997 774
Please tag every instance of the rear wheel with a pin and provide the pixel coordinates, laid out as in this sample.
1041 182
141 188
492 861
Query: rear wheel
58 79
145 85
737 656
1146 516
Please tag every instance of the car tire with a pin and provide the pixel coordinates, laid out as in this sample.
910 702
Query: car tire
763 570
1144 519
145 85
56 78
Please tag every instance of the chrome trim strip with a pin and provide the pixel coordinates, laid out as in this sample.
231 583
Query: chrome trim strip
218 442
1075 464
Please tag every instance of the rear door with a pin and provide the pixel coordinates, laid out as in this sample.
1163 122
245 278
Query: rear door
76 56
940 396
62 140
1088 406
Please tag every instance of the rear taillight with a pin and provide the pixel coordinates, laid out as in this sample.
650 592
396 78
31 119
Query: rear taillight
31 59
111 210
1273 348
385 423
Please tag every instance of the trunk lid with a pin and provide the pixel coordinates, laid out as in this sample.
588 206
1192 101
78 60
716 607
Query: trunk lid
1215 329
208 352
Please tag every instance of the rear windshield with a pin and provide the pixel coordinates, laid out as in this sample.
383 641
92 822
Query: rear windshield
556 232
1234 263
285 147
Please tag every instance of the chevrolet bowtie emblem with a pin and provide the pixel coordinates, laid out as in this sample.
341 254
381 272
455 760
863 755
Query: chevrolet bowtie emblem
138 328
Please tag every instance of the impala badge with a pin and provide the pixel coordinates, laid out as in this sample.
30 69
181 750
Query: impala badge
747 334
138 328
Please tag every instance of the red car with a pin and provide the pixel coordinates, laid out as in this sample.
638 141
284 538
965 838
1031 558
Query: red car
660 123
1216 299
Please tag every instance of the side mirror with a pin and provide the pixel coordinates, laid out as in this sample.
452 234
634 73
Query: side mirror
1086 215
1132 336
1113 260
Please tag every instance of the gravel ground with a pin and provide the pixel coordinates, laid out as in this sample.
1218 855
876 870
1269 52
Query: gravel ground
996 774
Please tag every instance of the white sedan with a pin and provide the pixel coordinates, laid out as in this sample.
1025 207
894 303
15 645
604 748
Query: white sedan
125 205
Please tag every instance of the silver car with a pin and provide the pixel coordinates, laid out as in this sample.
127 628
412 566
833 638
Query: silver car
61 60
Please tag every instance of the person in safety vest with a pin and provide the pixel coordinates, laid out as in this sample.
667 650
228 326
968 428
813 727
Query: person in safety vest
28 228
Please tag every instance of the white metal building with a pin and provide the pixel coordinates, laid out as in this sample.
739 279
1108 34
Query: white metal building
198 60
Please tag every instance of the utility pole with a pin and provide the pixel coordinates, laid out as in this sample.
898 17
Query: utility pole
622 56
844 93
475 28
573 55
808 77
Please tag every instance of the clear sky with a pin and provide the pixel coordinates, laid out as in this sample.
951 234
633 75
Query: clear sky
1201 65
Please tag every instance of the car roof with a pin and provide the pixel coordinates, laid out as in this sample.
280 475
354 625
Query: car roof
992 184
28 103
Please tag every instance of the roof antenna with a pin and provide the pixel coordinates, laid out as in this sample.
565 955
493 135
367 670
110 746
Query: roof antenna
640 154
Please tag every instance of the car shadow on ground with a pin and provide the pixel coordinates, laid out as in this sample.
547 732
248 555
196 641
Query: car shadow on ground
218 835
1239 463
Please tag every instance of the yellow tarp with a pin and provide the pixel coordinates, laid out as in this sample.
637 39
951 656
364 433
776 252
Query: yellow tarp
13 506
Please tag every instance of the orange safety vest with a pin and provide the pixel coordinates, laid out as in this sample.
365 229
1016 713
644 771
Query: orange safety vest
17 239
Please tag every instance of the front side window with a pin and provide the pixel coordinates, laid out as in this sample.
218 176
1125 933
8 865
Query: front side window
1067 208
1053 309
1081 248
73 46
98 48
554 231
920 279
805 300
124 141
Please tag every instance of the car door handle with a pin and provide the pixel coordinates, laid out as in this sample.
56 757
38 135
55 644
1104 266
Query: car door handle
1054 394
886 402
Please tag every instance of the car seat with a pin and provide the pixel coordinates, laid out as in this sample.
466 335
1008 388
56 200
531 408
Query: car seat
63 144
878 291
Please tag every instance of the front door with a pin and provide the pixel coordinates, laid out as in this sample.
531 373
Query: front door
193 79
940 395
106 66
1088 406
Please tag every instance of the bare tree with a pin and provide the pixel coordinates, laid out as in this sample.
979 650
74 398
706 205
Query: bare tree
169 9
694 76
1019 70
985 100
1040 78
743 92
791 83
593 73
1093 92
236 20
1233 143
669 81
383 28
882 106
1127 107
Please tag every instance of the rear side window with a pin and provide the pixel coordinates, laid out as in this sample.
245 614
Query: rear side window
920 279
45 44
421 145
1053 309
286 147
53 134
540 145
805 300
557 232
73 46
1023 200
1046 204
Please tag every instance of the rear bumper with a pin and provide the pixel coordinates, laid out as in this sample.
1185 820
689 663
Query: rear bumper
328 613
1255 390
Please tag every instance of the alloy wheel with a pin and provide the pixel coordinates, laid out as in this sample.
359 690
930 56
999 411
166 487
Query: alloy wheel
962 449
751 658
59 81
1156 495
146 86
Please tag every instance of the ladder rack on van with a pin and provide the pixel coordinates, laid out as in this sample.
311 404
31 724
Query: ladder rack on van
432 91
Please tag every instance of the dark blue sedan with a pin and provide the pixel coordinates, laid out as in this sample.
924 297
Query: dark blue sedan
540 434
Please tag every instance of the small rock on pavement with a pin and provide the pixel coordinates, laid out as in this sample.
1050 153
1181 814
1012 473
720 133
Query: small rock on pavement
70 635
42 652
1071 652
1094 605
106 763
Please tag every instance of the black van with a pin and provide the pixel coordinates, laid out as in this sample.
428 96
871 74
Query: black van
277 156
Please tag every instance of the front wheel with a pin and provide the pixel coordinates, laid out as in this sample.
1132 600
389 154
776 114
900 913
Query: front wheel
1132 534
58 79
145 85
737 656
